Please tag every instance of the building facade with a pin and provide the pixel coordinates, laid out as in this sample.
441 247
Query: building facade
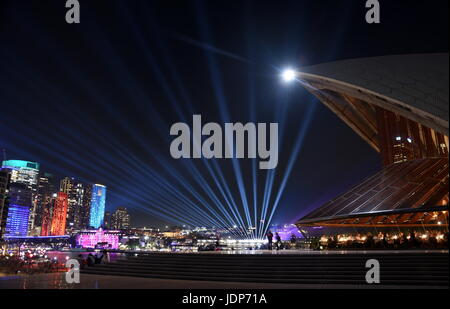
98 239
120 219
44 198
85 213
107 221
59 218
97 209
20 205
79 196
4 188
47 216
23 172
27 173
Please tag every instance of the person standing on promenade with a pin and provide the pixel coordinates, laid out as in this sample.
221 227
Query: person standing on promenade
269 238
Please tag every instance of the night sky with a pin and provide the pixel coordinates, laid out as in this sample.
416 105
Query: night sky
96 100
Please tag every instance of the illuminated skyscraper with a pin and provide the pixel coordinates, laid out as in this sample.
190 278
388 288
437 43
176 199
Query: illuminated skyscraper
17 220
4 187
107 221
19 197
59 215
75 191
120 219
44 197
47 216
68 186
25 172
97 211
85 212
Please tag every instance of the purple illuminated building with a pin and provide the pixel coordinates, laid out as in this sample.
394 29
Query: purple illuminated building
98 239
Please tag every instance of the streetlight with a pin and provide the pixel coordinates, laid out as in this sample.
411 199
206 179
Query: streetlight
288 75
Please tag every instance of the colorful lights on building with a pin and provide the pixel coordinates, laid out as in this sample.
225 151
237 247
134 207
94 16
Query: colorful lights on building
98 200
20 198
79 202
17 221
4 187
42 211
98 239
44 199
120 219
46 220
23 172
26 173
59 215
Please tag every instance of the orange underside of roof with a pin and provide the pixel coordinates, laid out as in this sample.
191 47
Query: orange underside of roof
413 193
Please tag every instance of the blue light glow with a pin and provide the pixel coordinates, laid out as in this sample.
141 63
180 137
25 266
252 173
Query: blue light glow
97 206
17 222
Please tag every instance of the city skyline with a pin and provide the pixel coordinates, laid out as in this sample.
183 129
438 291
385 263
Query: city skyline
34 205
127 116
235 146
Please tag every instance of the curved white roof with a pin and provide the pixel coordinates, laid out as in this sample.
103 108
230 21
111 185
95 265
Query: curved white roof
420 81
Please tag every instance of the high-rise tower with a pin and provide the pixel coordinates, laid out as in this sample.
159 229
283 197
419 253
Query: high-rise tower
97 211
25 172
4 187
46 190
59 215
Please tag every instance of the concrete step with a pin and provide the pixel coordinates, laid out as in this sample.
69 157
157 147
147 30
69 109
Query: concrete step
281 262
320 280
399 269
271 268
279 275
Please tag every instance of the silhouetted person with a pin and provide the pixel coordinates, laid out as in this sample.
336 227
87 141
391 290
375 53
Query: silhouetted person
293 239
269 238
278 239
384 241
370 243
81 261
90 261
404 240
98 259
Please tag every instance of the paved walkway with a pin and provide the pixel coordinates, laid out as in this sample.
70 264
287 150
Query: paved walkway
305 252
57 281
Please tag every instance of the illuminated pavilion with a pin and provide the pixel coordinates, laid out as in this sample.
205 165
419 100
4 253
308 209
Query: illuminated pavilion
399 106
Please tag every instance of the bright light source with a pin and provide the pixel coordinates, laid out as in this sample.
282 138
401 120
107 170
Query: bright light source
409 139
288 75
398 138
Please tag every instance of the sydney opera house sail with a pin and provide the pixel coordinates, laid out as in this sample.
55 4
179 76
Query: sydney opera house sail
399 106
